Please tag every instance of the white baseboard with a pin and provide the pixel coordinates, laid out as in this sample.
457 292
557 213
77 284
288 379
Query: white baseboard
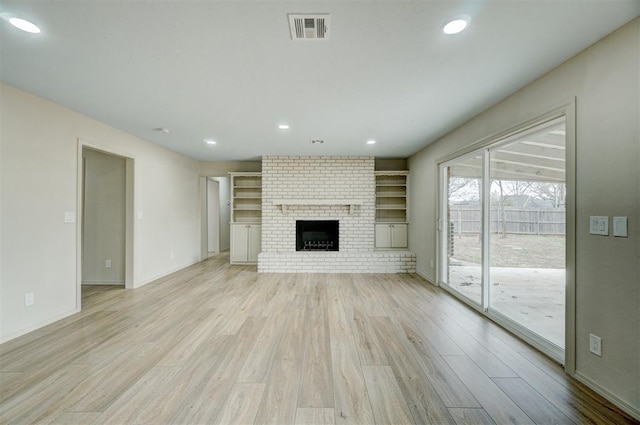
38 325
177 269
102 282
633 411
425 277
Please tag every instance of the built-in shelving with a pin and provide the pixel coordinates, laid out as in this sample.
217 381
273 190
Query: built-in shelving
246 217
246 199
392 217
391 196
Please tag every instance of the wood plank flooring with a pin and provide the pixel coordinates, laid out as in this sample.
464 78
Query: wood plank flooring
221 344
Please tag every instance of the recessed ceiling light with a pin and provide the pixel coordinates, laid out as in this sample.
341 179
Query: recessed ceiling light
25 25
210 142
371 142
317 142
283 126
457 25
20 23
162 130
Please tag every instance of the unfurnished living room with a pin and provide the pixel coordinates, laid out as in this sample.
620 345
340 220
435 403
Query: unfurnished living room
320 212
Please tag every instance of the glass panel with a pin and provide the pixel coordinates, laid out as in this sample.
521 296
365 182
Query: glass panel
527 232
464 227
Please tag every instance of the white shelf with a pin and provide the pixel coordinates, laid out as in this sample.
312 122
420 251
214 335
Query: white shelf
391 196
248 208
284 204
246 198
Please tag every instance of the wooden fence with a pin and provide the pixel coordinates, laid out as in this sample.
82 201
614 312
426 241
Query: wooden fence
511 221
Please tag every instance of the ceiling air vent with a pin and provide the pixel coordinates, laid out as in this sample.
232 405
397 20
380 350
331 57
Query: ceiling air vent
309 27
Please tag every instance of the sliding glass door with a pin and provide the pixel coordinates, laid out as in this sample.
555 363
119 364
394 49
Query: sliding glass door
502 231
463 256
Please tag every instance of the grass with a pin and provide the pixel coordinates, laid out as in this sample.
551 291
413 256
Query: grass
535 251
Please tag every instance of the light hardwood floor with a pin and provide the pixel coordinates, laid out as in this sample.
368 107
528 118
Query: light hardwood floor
222 344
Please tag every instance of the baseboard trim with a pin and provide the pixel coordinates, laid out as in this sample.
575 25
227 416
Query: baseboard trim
102 282
623 405
38 325
145 282
425 277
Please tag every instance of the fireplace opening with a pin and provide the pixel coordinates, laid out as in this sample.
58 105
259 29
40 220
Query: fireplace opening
318 235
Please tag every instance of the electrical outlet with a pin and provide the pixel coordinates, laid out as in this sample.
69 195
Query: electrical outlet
107 263
595 345
28 299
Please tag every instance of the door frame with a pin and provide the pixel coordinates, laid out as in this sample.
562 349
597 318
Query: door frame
129 212
568 111
204 215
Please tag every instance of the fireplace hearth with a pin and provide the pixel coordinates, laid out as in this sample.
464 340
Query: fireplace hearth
317 235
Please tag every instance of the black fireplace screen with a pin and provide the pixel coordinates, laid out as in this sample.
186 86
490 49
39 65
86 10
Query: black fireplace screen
320 235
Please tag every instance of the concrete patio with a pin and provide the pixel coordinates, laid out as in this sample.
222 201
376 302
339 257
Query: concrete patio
532 297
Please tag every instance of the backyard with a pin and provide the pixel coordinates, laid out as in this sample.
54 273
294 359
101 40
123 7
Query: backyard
535 251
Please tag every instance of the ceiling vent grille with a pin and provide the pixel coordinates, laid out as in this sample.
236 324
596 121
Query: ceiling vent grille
309 27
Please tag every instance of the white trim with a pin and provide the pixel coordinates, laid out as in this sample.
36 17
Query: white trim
620 403
531 338
177 269
38 325
570 237
485 217
425 277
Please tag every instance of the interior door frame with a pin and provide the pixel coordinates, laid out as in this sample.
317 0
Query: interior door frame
129 212
204 216
568 111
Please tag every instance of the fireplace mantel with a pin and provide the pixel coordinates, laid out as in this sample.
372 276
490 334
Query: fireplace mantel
284 204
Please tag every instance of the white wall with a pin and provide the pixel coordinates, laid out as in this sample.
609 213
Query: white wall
104 213
223 168
39 173
605 81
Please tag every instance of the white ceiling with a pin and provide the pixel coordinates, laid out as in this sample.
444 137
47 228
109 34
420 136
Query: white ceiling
228 70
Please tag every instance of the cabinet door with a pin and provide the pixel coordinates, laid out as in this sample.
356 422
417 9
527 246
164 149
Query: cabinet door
254 243
399 236
239 240
383 236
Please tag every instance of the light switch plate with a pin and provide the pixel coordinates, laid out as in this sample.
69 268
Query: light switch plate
620 227
599 225
69 217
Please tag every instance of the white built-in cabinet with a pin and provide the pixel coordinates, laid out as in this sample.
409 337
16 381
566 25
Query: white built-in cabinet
245 243
392 220
246 217
391 235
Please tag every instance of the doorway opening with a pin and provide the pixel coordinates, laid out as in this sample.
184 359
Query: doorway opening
215 212
105 225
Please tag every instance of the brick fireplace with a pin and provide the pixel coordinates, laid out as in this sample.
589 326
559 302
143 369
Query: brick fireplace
325 188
